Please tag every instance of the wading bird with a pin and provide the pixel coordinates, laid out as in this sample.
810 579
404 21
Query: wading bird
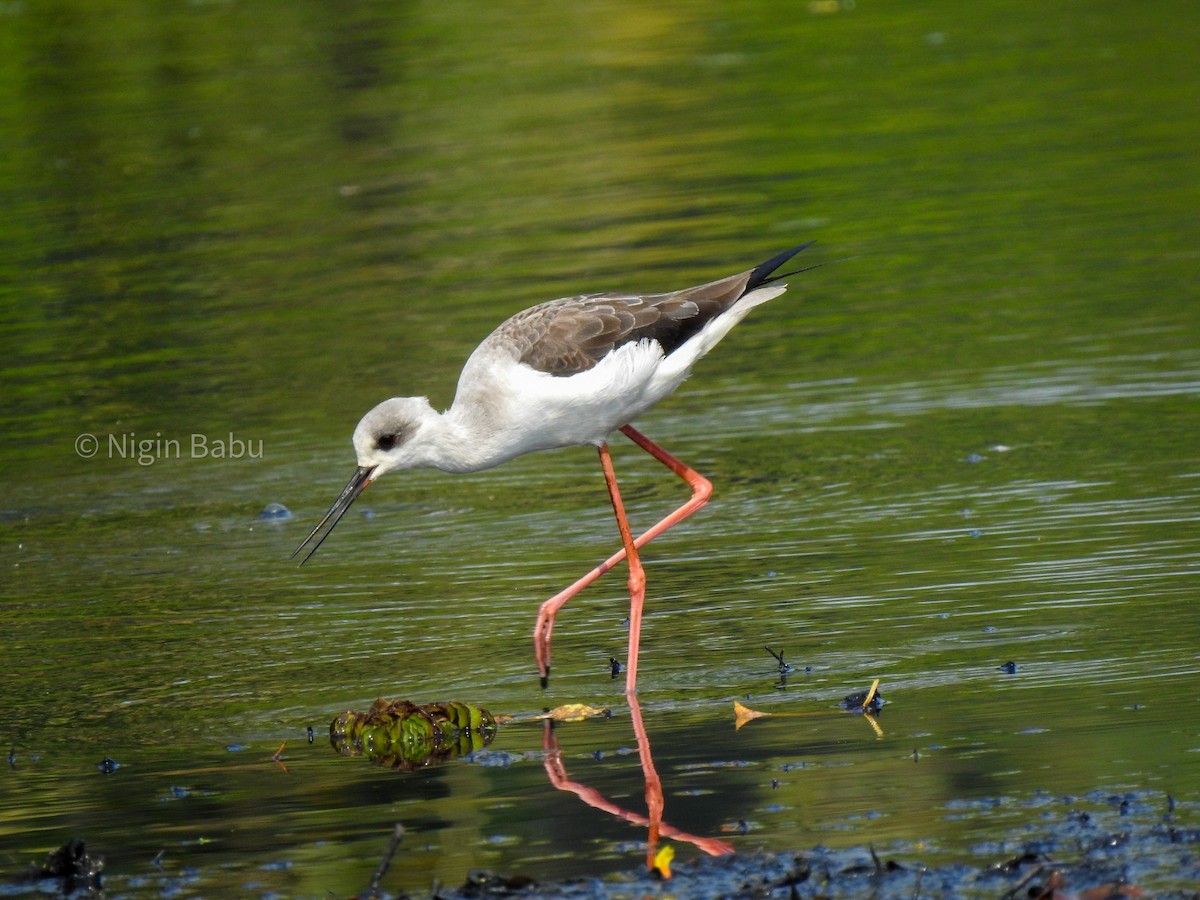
564 373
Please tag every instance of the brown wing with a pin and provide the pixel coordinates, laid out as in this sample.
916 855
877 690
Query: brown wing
571 335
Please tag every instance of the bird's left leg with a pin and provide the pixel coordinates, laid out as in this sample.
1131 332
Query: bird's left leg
637 575
701 491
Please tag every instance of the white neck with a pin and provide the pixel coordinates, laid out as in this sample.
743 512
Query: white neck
460 441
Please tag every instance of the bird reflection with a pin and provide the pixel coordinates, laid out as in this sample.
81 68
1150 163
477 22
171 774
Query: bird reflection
653 820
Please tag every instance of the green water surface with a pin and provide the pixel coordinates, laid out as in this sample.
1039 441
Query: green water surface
229 227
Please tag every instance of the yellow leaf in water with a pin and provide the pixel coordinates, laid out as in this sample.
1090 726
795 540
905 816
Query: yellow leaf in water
744 714
662 860
574 712
871 693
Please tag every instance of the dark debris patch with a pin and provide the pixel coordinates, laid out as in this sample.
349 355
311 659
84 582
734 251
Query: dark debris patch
71 871
1111 845
857 702
1160 860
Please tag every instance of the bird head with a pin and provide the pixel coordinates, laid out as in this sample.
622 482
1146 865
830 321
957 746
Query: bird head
383 440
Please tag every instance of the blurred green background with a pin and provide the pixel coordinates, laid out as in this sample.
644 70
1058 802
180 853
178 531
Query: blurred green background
969 437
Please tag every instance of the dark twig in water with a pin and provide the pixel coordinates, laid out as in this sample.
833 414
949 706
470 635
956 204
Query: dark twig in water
373 892
784 668
1029 876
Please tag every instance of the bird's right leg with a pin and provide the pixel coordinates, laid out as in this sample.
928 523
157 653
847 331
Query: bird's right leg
701 491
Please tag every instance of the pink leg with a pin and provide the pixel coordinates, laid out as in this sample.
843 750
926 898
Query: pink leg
637 577
701 491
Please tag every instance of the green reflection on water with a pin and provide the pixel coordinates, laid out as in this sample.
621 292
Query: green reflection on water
973 441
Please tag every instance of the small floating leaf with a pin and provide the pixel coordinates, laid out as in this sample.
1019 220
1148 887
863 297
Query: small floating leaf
743 714
662 861
574 712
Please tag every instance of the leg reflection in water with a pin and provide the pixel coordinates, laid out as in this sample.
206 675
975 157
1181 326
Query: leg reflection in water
654 792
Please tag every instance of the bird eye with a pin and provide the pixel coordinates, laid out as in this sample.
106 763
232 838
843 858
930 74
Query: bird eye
387 441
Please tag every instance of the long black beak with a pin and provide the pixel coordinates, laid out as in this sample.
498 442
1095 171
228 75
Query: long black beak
357 484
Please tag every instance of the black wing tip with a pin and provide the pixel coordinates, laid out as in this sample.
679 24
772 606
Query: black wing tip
761 274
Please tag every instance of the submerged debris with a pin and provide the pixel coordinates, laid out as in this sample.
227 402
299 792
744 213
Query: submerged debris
76 871
276 512
403 735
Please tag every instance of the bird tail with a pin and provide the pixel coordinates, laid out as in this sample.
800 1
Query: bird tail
760 287
761 274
